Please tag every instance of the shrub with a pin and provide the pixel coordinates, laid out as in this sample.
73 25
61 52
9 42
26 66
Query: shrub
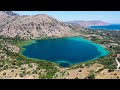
16 67
28 72
34 72
110 70
30 65
22 68
5 67
100 70
4 73
80 70
110 67
1 65
87 64
38 68
81 66
12 70
76 78
22 74
14 63
91 76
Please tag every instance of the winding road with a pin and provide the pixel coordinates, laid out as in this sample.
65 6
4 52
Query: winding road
117 63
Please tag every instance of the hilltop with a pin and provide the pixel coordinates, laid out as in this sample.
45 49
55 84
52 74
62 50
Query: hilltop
31 27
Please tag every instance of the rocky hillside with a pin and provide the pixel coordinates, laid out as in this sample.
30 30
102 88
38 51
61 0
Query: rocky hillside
88 23
37 26
76 27
8 13
6 17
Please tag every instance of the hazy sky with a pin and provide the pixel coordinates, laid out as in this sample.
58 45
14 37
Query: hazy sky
107 16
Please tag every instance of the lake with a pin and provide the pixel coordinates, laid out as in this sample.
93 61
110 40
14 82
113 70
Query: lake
64 51
107 27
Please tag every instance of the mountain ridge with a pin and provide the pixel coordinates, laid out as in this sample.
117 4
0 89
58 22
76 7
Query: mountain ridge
88 23
35 26
40 26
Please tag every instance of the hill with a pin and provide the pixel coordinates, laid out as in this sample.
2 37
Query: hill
36 26
7 17
88 23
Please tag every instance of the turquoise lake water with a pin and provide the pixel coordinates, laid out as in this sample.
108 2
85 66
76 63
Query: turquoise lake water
64 51
107 27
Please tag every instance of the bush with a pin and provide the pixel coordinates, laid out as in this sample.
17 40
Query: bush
34 72
30 65
14 63
12 70
5 67
110 70
28 72
38 68
87 64
1 65
49 76
42 77
91 76
81 66
76 78
1 46
4 73
110 67
22 68
105 62
80 70
16 67
22 74
100 70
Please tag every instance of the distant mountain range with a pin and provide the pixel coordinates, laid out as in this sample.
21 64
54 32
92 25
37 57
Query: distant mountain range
88 23
38 26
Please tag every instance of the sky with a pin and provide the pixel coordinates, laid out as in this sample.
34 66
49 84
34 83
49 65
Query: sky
106 16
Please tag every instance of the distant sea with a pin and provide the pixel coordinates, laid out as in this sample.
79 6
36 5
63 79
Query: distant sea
107 27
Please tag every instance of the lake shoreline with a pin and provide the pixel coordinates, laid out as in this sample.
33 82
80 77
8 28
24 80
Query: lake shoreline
29 42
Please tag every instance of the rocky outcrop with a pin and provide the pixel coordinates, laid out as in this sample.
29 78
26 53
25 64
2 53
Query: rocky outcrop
12 48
